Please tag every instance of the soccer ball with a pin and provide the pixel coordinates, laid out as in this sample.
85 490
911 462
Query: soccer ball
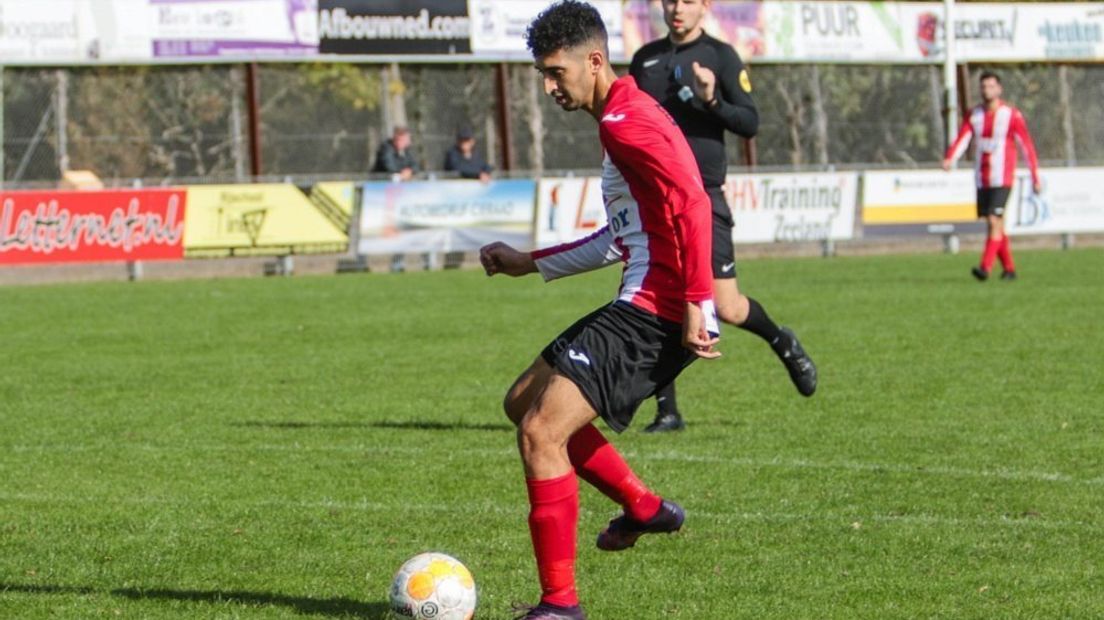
433 586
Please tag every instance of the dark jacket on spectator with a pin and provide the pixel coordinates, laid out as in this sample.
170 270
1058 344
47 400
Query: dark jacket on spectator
389 159
468 168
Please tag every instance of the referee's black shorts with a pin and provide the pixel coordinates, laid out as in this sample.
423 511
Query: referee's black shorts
724 255
619 355
992 200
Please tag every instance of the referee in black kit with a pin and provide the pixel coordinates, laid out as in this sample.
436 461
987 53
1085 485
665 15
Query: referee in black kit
703 84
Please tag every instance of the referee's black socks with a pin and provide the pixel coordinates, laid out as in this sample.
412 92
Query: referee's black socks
665 399
760 324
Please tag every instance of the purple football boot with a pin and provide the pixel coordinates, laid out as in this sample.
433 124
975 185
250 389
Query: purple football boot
622 532
546 611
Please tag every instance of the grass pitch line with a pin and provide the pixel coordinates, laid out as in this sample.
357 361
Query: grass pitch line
855 521
940 470
506 453
850 520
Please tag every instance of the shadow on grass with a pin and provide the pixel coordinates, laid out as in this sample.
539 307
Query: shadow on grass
409 425
333 607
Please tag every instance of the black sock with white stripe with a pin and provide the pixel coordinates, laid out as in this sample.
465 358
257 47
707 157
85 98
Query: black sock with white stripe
665 399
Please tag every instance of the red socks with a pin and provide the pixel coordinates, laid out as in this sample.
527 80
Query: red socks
992 246
995 248
554 509
1004 251
553 520
599 463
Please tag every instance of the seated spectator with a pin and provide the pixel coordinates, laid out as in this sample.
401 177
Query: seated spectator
462 158
396 156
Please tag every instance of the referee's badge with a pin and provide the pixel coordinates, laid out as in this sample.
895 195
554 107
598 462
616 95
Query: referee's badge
745 81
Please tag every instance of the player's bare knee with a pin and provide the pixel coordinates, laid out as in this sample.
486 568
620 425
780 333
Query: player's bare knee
534 436
531 429
734 312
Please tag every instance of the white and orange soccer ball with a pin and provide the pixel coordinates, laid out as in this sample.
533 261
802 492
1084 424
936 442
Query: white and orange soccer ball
433 586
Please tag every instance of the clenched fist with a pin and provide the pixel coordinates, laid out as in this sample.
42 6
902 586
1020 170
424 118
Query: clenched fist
705 82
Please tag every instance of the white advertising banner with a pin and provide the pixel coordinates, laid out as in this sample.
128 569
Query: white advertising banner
82 31
1009 31
889 32
43 30
445 216
90 31
212 28
835 31
772 208
568 209
498 27
1072 201
117 30
894 197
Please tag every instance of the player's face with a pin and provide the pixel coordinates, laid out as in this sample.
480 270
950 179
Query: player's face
567 78
990 90
683 17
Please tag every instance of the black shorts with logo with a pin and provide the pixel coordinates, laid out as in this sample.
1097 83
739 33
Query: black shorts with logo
724 255
619 355
992 200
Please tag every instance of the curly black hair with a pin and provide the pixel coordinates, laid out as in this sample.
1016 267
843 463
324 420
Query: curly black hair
564 25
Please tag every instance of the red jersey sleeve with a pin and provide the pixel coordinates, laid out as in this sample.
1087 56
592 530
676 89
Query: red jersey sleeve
661 168
958 148
1027 145
694 232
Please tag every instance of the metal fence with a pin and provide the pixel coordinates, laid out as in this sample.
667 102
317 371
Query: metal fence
166 124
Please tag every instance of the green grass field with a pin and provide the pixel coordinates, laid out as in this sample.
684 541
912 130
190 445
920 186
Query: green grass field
276 448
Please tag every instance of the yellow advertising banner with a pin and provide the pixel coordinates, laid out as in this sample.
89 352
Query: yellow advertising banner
257 220
335 199
918 197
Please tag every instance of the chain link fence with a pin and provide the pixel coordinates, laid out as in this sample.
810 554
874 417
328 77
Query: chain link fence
191 123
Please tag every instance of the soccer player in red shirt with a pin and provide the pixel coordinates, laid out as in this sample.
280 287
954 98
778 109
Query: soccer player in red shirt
998 129
663 318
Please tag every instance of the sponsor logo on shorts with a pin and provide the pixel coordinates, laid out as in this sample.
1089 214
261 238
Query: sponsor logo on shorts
727 267
578 357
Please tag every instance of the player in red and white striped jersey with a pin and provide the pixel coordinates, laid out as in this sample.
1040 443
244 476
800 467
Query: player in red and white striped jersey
998 130
663 318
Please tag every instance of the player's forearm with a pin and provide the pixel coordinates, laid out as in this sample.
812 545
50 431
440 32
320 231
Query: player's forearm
586 254
1027 147
953 152
566 266
958 147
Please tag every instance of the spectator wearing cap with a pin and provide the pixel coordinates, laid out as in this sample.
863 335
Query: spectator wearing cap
461 157
396 156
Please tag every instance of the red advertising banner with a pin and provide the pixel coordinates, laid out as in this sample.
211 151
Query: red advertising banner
91 226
